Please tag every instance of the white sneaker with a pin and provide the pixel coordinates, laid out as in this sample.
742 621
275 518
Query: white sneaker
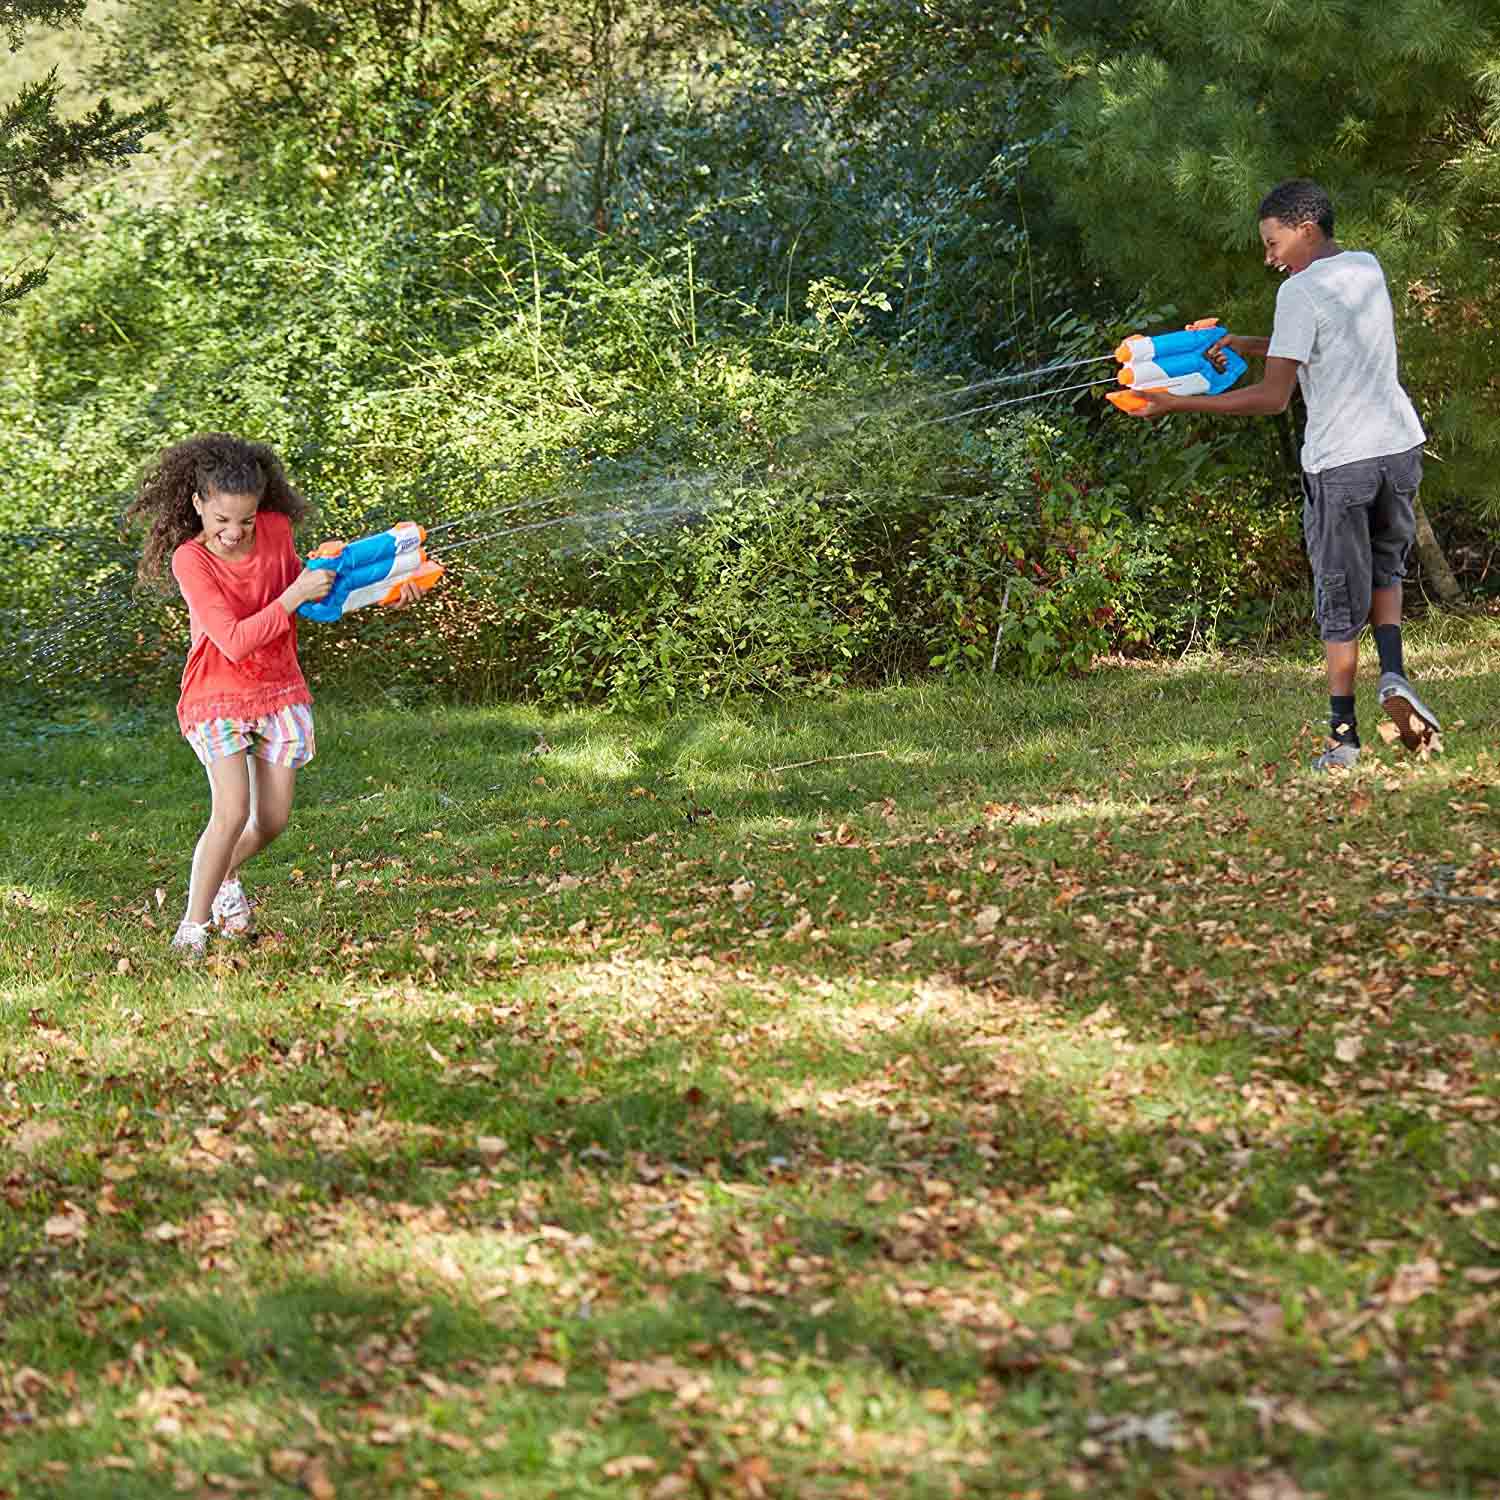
1339 756
233 911
191 939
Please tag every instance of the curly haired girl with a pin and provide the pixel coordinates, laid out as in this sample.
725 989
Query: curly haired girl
221 511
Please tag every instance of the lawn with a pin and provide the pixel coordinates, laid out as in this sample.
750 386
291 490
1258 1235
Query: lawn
960 1089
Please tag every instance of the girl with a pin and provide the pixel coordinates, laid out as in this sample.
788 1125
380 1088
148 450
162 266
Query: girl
221 510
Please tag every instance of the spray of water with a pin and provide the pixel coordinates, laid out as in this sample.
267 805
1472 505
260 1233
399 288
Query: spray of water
912 403
112 623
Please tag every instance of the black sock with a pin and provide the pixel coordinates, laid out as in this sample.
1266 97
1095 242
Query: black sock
1341 723
1388 644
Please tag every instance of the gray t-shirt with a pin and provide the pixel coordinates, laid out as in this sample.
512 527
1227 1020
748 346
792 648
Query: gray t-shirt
1334 318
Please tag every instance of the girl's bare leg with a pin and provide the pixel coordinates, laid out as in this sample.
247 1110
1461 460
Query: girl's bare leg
229 780
271 789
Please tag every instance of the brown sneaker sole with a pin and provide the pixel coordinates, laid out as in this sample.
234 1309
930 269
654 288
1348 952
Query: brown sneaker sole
1414 730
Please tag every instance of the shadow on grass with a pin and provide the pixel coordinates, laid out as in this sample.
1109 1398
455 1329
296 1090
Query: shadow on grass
824 1162
652 1209
388 1314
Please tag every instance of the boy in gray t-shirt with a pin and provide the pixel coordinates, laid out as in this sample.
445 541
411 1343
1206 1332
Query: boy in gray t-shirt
1334 335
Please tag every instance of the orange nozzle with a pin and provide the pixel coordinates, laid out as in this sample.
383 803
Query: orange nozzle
1122 351
1127 376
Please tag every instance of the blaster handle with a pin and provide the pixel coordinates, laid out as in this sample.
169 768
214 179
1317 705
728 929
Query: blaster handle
424 578
1127 401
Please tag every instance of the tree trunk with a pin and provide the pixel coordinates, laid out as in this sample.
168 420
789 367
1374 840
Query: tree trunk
1434 563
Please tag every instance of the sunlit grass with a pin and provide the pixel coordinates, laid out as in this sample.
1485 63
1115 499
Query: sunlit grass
605 1111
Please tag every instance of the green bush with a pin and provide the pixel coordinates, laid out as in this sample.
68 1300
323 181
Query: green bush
694 495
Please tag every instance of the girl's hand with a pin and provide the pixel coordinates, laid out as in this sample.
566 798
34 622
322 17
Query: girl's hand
310 585
409 594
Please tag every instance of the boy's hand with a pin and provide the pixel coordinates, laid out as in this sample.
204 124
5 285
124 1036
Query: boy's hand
1214 354
1157 404
1247 346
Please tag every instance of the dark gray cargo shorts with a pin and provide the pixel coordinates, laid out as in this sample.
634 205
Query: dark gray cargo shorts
1358 522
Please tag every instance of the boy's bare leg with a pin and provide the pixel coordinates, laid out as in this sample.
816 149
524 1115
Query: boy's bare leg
1342 660
1342 657
1385 605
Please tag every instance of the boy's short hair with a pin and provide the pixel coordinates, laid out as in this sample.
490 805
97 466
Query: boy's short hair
1296 201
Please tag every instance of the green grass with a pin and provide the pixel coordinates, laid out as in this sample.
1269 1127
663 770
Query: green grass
1052 1089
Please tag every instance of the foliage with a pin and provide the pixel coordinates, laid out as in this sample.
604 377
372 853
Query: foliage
705 502
879 143
738 442
39 150
452 85
1176 116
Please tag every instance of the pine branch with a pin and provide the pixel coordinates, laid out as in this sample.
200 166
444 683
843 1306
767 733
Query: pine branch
17 15
38 149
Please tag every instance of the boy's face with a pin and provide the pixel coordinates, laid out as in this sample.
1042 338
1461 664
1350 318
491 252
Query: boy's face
1290 247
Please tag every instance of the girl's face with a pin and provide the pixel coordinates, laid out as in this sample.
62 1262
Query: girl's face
228 523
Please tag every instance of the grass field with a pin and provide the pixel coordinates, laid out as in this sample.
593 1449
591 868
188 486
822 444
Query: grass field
1044 1090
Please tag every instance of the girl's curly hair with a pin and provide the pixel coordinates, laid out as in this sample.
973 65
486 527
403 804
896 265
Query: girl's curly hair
213 463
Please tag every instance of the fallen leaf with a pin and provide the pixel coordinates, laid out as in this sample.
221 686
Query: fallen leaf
314 1479
68 1227
1413 1281
544 1372
30 1136
1159 1429
287 1463
1348 1048
632 1463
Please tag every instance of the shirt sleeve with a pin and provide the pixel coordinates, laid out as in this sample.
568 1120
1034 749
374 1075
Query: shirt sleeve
235 637
1295 329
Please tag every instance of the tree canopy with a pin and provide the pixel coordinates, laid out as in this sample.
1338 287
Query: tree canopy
40 150
1175 116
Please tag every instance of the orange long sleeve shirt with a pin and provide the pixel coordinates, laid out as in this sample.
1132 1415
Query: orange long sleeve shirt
242 663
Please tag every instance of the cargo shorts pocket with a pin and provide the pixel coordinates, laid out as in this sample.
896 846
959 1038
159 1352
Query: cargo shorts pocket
1331 604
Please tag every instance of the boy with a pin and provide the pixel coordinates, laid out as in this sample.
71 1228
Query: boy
1334 334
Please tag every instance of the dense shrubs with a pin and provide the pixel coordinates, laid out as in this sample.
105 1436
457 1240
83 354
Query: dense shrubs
650 482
